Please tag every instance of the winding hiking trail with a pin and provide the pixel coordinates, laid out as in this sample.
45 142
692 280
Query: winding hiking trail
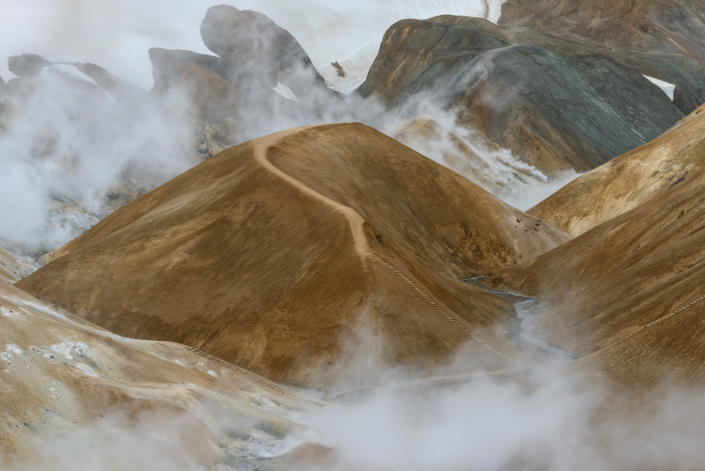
356 222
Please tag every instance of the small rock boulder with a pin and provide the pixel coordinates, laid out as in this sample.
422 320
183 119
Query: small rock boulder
27 65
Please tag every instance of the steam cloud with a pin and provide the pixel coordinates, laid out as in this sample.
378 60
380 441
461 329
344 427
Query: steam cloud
73 141
553 421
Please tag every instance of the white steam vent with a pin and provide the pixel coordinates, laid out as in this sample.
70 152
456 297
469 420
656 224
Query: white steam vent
668 88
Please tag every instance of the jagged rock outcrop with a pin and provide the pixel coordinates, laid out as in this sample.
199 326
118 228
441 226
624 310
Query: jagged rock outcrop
196 84
83 93
270 76
556 104
259 56
275 253
253 44
659 38
27 65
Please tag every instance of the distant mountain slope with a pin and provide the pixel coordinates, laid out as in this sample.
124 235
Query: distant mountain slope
272 253
557 105
630 180
659 38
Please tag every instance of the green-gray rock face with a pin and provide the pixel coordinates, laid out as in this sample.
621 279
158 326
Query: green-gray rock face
556 104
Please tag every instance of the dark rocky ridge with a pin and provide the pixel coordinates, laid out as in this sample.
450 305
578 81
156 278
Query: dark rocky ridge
251 43
659 38
556 104
254 56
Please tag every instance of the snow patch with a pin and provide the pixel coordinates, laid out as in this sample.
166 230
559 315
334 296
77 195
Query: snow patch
87 370
507 157
286 92
668 88
38 307
67 348
12 348
72 71
7 312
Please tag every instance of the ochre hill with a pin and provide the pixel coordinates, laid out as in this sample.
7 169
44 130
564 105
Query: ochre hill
69 387
557 105
623 275
659 38
628 181
274 254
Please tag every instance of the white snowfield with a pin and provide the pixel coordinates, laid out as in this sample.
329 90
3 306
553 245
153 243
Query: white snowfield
668 88
116 34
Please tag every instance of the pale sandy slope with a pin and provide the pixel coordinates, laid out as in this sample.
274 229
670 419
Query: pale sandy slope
288 254
71 390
